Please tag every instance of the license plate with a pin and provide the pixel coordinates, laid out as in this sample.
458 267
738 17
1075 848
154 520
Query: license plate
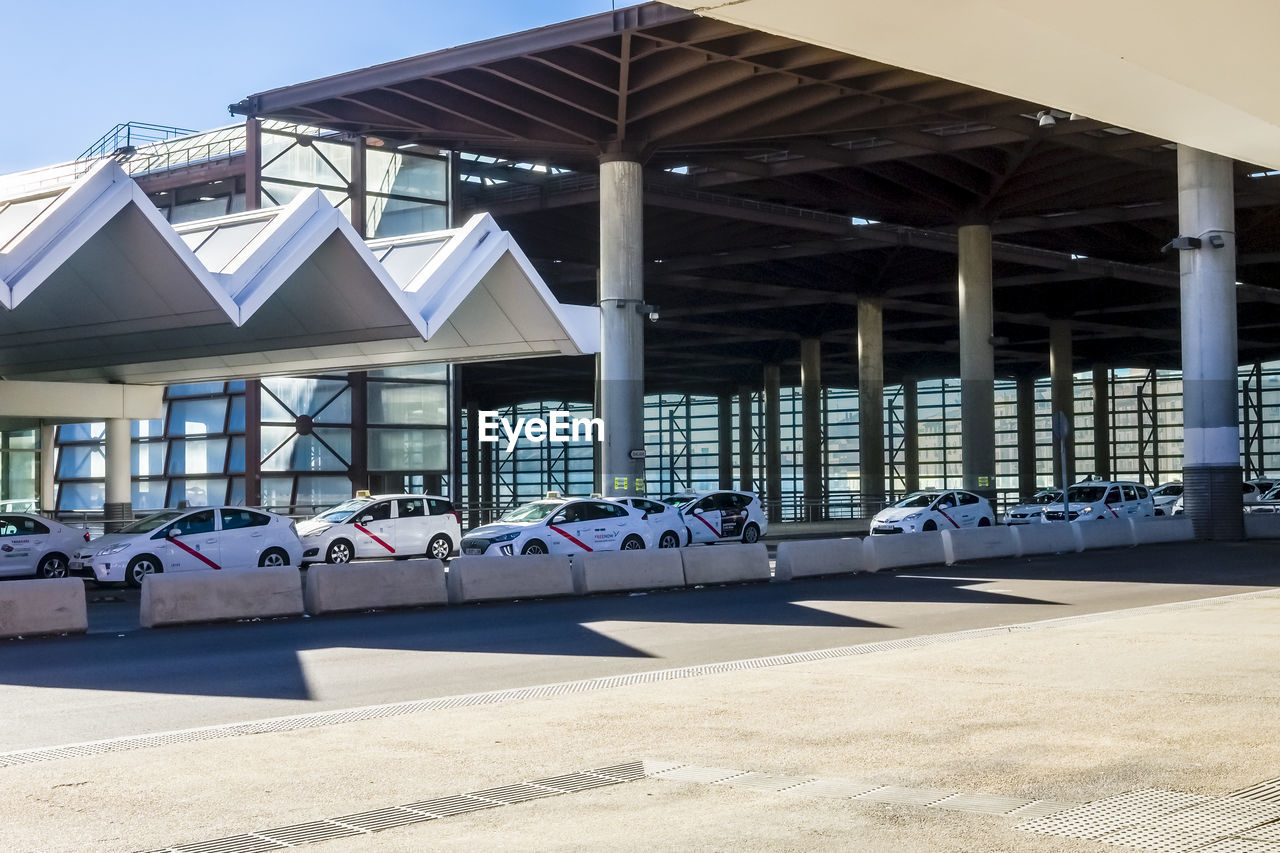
474 552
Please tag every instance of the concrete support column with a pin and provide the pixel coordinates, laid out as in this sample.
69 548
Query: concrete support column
812 455
117 509
1026 436
773 442
1211 472
724 422
621 330
871 403
1102 421
253 442
1062 394
911 434
977 363
48 468
746 441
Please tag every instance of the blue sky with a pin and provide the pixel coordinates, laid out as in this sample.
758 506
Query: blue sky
70 70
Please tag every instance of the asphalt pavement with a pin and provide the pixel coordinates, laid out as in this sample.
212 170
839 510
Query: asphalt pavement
1056 680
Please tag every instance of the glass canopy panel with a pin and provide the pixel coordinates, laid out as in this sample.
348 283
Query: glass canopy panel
393 217
228 241
394 173
304 396
284 158
405 262
16 216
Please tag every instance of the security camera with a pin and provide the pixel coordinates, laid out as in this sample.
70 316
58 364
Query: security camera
653 316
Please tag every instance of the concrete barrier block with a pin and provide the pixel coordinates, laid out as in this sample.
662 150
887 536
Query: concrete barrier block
1107 533
503 578
611 571
903 550
217 596
1262 526
807 557
30 608
1051 538
336 587
979 543
704 564
1150 531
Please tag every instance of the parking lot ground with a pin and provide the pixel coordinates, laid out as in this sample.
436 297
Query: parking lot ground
916 744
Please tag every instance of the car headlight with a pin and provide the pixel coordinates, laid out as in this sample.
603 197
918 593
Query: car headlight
505 537
913 516
115 549
1088 510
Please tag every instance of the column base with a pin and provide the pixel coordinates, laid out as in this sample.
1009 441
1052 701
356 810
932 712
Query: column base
116 516
1213 500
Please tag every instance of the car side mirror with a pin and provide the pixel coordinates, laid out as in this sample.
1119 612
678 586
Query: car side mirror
697 510
366 519
173 533
944 506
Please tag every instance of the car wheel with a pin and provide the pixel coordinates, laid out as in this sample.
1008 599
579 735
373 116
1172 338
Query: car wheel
984 522
339 552
141 566
52 566
669 539
534 546
439 548
273 557
929 526
751 534
633 543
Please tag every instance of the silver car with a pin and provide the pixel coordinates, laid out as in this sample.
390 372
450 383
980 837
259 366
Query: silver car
1028 511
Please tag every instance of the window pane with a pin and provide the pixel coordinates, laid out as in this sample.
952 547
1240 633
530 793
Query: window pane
82 432
197 417
404 403
197 492
405 174
236 423
302 396
148 495
438 372
198 457
148 458
195 389
407 449
277 492
82 496
318 491
83 461
391 217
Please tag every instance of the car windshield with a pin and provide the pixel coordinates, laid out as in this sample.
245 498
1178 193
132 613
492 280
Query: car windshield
343 511
1051 496
919 499
679 500
151 522
532 512
1086 494
1273 495
1164 491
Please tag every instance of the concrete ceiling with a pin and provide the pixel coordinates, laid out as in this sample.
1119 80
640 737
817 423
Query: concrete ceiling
1201 75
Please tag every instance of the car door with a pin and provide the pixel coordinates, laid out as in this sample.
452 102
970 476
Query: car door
22 541
374 531
1113 504
612 524
968 508
243 537
703 519
1132 507
946 507
190 543
733 515
571 529
412 526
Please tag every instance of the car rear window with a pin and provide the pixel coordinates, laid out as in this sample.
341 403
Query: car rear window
237 519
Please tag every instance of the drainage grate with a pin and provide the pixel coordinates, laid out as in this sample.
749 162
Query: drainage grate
322 719
1042 808
834 788
1267 791
364 823
1239 845
982 803
1096 819
1266 832
766 782
690 773
898 796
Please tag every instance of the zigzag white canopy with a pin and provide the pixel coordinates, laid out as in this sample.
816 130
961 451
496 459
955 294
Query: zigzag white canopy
95 285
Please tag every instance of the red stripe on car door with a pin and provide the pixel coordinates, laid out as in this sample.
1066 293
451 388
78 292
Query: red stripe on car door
581 545
949 518
193 552
369 533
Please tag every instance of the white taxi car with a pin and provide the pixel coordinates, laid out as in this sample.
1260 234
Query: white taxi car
1101 499
562 526
669 530
32 545
1029 511
1252 495
936 509
721 516
384 526
182 540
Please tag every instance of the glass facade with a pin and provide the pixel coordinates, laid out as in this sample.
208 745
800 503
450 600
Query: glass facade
682 439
